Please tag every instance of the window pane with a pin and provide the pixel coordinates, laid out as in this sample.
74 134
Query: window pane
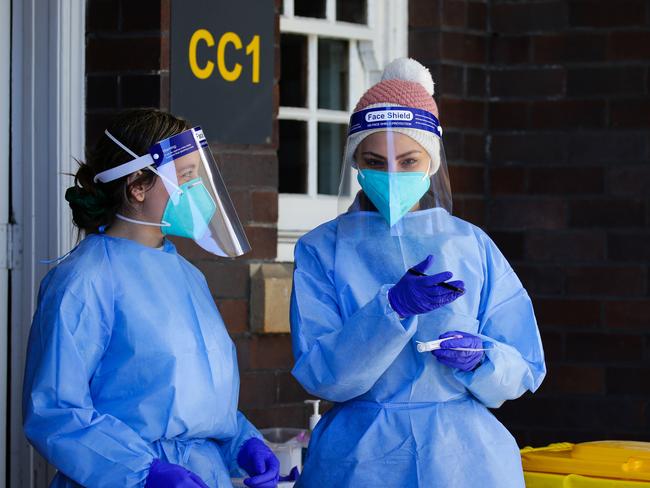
333 74
292 156
293 76
309 8
331 141
352 11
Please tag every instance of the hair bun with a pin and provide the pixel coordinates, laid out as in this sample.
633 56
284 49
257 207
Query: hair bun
92 204
409 69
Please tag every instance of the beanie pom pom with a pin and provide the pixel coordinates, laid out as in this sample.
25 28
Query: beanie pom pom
409 69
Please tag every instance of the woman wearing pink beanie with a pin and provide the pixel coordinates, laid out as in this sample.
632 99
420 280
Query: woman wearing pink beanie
411 359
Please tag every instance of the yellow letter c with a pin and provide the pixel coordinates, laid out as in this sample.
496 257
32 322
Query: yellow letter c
206 71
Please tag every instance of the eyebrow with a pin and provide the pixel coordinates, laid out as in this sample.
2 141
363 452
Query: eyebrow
370 153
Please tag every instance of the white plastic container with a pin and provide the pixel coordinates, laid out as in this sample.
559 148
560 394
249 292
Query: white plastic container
287 444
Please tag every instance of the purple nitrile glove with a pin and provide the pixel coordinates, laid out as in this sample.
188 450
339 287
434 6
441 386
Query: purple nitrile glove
463 360
292 476
260 463
416 293
167 475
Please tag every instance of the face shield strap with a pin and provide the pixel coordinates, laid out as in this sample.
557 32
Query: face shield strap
137 164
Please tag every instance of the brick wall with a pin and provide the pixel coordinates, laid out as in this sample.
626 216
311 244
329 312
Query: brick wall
564 111
127 65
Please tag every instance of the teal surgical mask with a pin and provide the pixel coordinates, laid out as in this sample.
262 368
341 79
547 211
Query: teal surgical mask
191 213
393 193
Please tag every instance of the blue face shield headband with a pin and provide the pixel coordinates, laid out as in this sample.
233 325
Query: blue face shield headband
199 206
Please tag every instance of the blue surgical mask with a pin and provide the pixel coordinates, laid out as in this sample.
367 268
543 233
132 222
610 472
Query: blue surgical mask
393 193
190 214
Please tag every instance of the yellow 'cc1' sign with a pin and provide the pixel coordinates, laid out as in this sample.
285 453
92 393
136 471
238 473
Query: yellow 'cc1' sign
222 67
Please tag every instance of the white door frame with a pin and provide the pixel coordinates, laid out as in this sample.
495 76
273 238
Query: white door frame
48 119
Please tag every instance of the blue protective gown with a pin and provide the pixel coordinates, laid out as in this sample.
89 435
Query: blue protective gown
129 360
401 418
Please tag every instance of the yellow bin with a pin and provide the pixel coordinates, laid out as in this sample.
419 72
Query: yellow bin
600 464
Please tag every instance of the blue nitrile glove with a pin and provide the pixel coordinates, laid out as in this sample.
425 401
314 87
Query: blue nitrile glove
417 293
260 463
167 475
463 360
292 476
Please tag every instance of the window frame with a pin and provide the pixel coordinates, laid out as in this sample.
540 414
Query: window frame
370 47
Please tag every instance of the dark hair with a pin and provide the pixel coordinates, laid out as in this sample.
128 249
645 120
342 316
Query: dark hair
95 204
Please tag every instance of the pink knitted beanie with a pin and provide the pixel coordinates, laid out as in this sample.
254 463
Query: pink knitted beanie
405 83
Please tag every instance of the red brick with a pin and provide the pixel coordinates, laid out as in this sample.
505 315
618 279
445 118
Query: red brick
508 115
606 280
570 114
609 212
630 113
477 15
271 351
568 312
466 179
264 242
629 246
123 54
453 144
628 46
604 347
569 47
247 169
295 416
474 147
141 15
241 199
598 13
574 380
511 244
553 345
532 147
450 81
424 46
289 390
507 180
454 13
424 13
265 206
510 50
257 389
574 246
234 314
458 46
542 280
628 314
531 82
616 147
629 181
627 381
243 346
225 279
605 80
463 113
527 214
101 92
102 15
140 90
529 17
470 209
566 180
476 82
96 123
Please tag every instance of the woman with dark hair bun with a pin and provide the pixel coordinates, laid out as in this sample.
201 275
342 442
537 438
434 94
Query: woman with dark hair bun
131 377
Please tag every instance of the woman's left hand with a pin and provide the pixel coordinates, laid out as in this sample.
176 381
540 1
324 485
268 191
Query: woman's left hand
260 463
464 352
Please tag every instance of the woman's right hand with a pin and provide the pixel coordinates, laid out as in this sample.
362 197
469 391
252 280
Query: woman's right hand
167 475
416 292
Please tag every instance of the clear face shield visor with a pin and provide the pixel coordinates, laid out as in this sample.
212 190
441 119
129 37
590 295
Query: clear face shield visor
394 165
199 206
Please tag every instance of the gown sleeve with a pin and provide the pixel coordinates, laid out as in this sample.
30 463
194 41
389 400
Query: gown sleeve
514 361
339 359
230 448
70 331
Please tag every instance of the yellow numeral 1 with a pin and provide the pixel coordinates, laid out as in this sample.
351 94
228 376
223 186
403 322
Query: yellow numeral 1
254 47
